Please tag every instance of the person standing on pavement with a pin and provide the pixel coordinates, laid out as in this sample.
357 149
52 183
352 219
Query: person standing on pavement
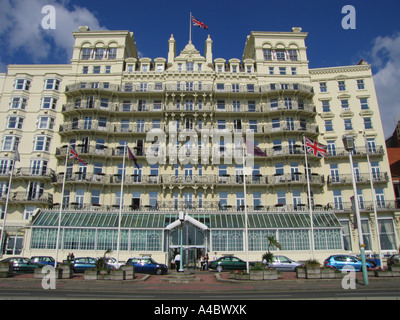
215 256
206 258
177 261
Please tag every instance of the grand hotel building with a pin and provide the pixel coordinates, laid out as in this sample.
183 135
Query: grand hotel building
108 96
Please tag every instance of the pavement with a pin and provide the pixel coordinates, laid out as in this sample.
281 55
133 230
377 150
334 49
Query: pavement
211 281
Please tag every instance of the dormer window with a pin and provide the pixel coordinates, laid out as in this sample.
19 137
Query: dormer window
145 68
189 66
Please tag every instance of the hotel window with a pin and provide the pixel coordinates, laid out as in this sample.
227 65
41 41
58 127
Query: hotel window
221 124
250 88
337 199
52 84
153 199
42 143
342 85
236 106
223 200
235 87
331 148
22 84
281 197
96 69
364 104
328 125
18 103
282 70
293 56
199 67
220 87
234 69
360 85
221 105
323 87
326 106
248 69
86 52
143 87
345 105
49 103
45 122
99 54
158 86
276 124
145 68
251 106
288 103
95 197
85 69
271 70
367 123
348 125
15 122
112 53
189 105
108 69
274 104
280 55
10 143
294 71
104 102
387 234
267 54
189 66
253 125
189 86
179 66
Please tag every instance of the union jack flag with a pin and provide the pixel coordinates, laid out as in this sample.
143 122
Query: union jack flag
315 148
198 23
73 155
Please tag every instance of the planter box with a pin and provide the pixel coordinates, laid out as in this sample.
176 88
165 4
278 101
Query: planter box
327 274
371 273
270 275
231 276
90 275
6 270
395 271
117 275
383 274
239 276
256 274
65 272
300 273
129 272
313 273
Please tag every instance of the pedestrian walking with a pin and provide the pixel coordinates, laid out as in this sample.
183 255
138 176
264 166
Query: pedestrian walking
177 261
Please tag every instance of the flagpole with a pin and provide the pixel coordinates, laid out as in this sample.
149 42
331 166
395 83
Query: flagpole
190 28
245 210
120 202
61 204
309 199
6 206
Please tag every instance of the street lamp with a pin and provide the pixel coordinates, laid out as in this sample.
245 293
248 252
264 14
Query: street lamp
181 219
348 142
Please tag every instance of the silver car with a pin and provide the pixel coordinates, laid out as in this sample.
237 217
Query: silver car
282 263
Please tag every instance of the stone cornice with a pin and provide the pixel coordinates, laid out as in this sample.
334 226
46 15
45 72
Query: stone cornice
341 69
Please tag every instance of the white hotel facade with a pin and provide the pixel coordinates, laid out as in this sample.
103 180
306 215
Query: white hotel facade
108 97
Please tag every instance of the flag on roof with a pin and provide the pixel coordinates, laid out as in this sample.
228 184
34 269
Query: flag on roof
254 150
315 148
73 155
132 157
198 23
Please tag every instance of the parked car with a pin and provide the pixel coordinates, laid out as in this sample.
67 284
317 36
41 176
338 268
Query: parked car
339 261
79 265
112 262
394 259
147 265
282 263
42 261
21 265
228 263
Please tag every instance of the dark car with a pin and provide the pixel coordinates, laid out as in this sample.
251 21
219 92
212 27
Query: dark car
228 263
42 261
21 265
339 261
79 265
147 265
392 260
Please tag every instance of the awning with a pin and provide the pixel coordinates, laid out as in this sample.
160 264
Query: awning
215 220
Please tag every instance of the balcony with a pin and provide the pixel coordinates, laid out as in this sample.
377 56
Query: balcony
22 197
346 179
31 174
288 87
360 152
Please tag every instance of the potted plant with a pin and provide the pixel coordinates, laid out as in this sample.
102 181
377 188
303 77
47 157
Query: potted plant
327 272
6 269
101 271
64 270
270 274
242 276
301 272
117 274
380 272
313 269
257 272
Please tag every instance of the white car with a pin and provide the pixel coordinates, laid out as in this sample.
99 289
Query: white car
113 262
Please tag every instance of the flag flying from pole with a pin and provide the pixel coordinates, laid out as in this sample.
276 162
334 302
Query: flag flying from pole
315 148
132 157
253 149
198 23
73 155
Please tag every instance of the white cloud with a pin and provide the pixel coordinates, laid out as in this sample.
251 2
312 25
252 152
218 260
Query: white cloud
21 28
386 58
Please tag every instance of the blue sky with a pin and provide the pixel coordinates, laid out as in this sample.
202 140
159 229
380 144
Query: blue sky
376 37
